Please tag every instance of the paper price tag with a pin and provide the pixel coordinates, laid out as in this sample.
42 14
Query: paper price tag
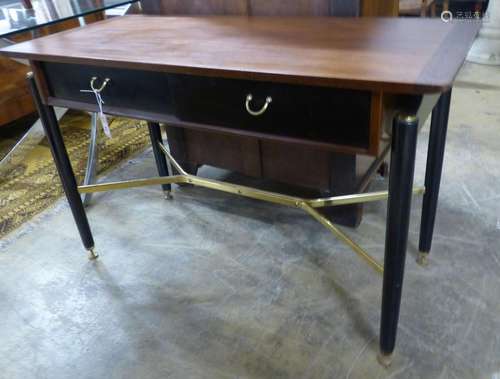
105 125
102 117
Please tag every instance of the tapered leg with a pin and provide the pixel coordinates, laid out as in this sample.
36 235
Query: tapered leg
63 164
404 140
435 155
161 161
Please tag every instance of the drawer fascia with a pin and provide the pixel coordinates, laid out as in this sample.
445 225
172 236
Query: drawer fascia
375 125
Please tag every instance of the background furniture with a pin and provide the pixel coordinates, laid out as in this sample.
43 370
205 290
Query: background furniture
15 100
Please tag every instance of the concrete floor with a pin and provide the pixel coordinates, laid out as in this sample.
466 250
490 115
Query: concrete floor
214 286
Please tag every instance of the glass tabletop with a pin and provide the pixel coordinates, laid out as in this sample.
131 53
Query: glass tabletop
18 16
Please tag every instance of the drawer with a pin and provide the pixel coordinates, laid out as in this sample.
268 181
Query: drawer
145 91
315 114
331 118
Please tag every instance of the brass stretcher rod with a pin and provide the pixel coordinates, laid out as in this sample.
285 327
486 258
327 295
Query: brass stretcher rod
308 205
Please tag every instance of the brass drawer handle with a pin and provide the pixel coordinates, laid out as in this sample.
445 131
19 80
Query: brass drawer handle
103 85
269 99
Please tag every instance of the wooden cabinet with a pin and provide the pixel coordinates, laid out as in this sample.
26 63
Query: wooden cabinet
15 99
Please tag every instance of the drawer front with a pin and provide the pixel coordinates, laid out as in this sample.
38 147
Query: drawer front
333 118
320 114
145 91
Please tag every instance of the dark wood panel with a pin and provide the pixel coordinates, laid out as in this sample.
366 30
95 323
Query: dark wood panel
343 181
336 116
295 164
235 153
388 54
178 148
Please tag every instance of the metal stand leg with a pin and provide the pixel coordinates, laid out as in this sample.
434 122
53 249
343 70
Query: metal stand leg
91 171
435 155
63 164
161 162
404 139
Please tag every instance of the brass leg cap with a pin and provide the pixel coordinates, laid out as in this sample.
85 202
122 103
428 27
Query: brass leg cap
92 254
422 259
168 195
385 359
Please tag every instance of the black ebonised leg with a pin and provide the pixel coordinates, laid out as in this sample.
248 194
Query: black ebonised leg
161 161
404 140
435 155
63 164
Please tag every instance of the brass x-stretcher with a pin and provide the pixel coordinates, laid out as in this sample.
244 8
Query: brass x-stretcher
308 205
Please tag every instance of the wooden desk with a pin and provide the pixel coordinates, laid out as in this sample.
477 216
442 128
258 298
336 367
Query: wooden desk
347 80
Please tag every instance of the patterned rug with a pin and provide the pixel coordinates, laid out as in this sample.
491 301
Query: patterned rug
33 184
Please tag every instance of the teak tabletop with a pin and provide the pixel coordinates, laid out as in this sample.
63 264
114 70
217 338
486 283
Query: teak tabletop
388 54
